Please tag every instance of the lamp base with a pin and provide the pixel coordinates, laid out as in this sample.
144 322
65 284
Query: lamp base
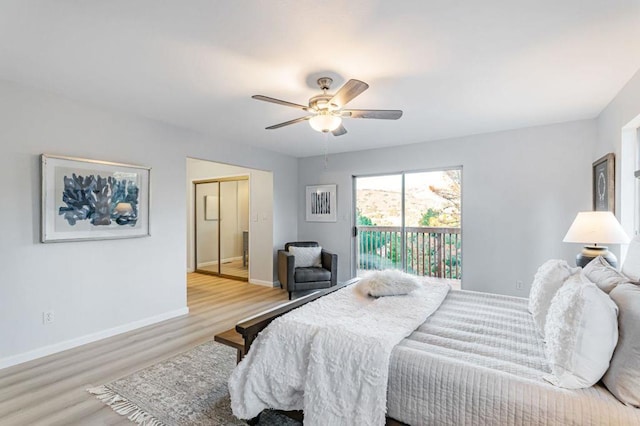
591 252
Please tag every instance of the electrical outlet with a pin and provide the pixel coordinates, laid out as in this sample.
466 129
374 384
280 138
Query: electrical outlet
47 317
519 285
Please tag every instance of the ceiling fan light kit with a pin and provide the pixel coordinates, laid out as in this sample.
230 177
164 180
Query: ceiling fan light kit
325 121
327 110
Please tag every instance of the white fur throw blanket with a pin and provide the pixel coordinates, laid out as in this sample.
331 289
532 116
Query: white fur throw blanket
330 357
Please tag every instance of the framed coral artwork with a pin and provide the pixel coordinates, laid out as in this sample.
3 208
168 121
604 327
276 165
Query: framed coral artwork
91 200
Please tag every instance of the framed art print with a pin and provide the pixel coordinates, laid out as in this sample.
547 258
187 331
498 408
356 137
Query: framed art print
321 203
91 200
604 184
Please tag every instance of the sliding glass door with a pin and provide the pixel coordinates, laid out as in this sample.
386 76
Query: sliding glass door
409 221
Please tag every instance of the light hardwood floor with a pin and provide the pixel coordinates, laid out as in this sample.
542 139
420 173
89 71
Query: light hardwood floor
52 390
233 267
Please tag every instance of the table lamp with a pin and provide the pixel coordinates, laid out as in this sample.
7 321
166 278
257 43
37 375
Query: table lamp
595 229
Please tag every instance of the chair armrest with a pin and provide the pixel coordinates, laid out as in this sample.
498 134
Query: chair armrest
286 264
330 262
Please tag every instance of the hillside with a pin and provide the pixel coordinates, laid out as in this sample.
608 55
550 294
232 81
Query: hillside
384 207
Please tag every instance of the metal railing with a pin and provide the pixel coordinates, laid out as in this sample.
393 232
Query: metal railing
434 252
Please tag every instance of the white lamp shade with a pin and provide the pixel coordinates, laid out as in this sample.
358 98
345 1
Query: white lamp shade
596 228
324 121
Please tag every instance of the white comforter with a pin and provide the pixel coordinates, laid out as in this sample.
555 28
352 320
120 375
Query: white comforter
330 357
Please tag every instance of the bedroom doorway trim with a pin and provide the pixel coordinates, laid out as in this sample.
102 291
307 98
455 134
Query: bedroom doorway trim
627 176
260 233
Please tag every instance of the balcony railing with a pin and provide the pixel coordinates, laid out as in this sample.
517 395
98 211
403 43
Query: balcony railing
434 252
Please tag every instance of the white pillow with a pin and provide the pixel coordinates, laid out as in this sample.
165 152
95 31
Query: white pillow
599 272
550 276
631 265
581 334
623 377
306 257
390 282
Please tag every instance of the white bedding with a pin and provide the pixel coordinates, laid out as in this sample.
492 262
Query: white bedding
479 361
330 357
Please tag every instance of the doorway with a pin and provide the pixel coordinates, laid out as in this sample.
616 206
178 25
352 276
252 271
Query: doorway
409 221
221 221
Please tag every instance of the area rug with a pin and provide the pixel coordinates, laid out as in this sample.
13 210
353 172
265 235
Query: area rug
188 389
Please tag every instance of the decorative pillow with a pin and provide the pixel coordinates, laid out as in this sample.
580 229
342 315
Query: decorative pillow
581 332
631 265
306 257
550 276
623 377
599 272
389 282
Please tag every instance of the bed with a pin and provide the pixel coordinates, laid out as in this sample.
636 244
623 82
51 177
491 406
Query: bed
479 361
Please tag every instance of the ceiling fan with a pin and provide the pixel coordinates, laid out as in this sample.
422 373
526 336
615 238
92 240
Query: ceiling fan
327 110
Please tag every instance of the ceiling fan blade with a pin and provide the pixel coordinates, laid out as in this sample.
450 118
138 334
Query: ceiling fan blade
350 90
286 123
383 114
279 102
339 131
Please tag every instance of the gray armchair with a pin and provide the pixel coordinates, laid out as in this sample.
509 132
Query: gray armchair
297 279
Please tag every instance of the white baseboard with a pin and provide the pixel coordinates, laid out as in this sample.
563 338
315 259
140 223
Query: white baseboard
83 340
189 270
262 282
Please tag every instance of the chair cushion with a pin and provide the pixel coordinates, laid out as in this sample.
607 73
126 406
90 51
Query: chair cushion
306 275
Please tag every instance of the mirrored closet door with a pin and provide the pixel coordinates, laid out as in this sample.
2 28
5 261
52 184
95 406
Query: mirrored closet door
222 227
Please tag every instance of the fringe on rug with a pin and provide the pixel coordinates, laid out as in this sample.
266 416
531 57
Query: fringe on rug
123 407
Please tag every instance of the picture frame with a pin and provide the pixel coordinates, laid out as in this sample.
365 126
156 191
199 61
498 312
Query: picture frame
603 183
321 205
85 199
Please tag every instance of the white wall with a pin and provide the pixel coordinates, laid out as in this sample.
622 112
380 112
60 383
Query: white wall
521 191
261 215
92 298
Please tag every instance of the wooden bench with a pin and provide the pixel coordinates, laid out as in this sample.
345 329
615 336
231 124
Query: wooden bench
234 339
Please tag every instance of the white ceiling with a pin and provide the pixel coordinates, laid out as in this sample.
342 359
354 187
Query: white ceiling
455 67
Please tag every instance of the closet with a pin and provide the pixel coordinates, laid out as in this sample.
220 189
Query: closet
222 227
